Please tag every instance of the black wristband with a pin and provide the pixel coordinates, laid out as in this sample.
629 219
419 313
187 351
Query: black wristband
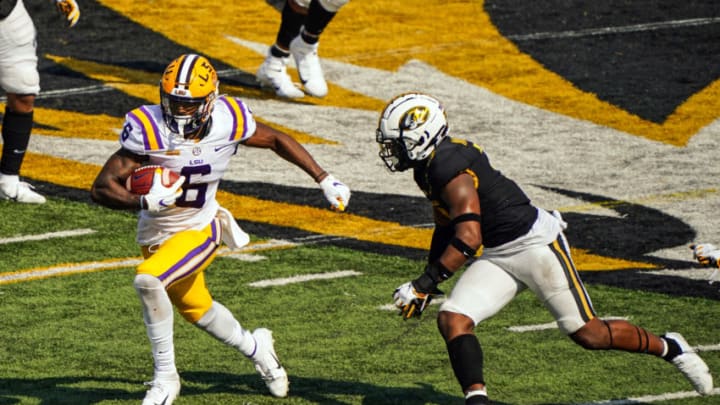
437 272
424 284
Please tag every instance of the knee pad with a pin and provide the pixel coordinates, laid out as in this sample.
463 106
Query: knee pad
147 282
333 6
155 301
22 78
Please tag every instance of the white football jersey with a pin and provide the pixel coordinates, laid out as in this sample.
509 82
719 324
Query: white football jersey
203 163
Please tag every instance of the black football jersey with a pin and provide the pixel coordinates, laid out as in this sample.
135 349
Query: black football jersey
505 209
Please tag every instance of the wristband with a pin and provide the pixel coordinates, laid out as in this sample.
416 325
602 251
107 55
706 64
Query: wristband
435 273
320 176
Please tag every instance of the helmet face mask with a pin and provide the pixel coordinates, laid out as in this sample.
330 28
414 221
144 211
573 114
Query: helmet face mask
410 128
188 90
393 153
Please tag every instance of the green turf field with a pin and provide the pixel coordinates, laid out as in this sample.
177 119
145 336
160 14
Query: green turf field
79 338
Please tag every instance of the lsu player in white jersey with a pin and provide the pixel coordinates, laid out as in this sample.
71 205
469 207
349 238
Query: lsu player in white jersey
194 132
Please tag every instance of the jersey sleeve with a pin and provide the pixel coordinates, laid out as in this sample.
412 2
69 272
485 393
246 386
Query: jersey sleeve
243 123
141 132
445 166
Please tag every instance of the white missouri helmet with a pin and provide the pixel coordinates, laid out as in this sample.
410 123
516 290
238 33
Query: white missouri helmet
410 128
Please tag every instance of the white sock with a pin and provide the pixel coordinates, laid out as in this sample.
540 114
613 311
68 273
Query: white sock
9 178
220 323
158 317
163 349
473 393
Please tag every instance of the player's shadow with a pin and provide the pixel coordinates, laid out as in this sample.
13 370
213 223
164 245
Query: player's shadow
66 390
88 390
319 390
322 391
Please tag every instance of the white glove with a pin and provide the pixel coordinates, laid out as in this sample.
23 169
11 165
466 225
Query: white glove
411 302
337 193
69 9
159 197
708 255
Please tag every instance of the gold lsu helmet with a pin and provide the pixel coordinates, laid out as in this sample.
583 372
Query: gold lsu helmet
188 89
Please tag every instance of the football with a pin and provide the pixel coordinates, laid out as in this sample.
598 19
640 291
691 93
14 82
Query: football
141 180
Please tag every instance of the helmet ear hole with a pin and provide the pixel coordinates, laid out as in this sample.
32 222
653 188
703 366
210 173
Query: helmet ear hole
415 120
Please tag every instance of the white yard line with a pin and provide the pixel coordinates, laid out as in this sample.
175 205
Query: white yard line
651 398
246 257
304 278
49 235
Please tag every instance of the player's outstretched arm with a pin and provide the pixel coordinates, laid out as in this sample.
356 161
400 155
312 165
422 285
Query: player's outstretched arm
335 191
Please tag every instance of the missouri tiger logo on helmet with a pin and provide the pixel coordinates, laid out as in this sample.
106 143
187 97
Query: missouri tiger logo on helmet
188 90
415 117
410 128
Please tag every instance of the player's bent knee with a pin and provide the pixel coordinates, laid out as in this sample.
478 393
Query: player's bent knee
144 281
333 5
452 324
194 314
191 297
594 335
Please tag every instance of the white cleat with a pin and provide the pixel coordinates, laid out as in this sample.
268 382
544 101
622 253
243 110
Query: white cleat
308 65
691 365
273 74
162 391
13 189
268 365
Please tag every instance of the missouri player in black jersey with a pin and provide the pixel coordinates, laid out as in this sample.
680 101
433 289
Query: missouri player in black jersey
524 247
